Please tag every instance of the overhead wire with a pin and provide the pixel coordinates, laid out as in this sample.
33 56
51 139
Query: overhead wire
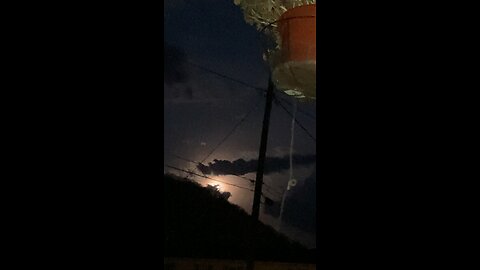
279 100
225 76
252 87
273 191
266 196
206 177
231 132
257 88
241 121
218 73
269 187
197 162
296 120
238 124
299 109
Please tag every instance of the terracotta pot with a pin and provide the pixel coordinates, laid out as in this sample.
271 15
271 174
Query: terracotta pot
297 28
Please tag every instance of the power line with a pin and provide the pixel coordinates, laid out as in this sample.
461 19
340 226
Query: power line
196 162
241 120
214 72
269 187
238 124
184 159
230 133
259 88
272 190
299 109
206 177
222 75
188 160
244 84
225 76
296 121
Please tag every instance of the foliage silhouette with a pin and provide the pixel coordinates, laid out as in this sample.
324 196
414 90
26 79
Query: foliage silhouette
200 223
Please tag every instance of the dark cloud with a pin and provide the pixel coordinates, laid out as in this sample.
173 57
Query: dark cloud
241 167
173 66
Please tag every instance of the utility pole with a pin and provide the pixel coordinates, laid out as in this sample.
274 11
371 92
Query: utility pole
260 168
262 153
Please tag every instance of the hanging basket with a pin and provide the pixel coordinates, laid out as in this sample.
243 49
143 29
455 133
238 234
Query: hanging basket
295 72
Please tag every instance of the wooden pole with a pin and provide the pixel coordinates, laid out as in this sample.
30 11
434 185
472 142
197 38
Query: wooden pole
260 169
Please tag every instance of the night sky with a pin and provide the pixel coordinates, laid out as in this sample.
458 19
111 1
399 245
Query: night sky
202 108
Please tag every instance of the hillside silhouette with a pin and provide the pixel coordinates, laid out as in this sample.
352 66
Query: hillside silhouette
201 223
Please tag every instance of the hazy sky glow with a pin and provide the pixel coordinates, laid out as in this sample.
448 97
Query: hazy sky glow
202 108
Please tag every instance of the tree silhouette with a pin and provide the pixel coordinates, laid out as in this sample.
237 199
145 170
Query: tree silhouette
200 223
217 193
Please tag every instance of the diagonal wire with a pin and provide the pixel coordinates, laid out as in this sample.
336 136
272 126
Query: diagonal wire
269 187
196 162
296 121
206 177
225 76
238 124
231 132
272 190
299 109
